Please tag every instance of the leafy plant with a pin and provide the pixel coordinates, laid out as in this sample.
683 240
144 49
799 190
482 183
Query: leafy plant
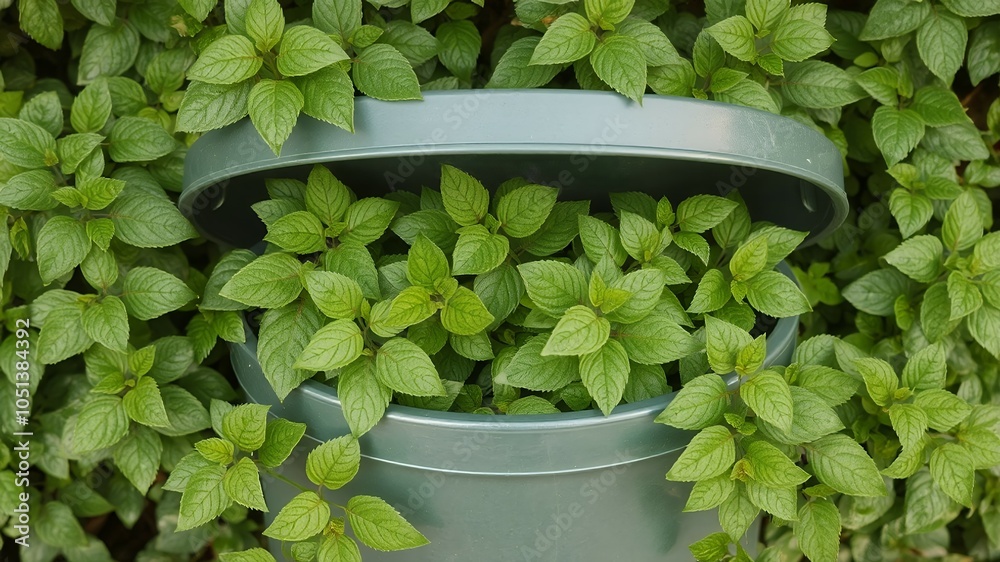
122 306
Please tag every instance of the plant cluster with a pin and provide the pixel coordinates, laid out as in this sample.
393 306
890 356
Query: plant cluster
879 442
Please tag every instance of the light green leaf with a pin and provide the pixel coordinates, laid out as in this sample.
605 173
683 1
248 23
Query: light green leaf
712 293
304 516
963 225
764 14
926 369
567 39
523 211
465 314
897 132
411 306
579 332
819 85
530 369
698 405
334 463
553 286
212 106
460 45
108 51
920 258
479 251
655 339
246 426
953 470
148 221
818 530
204 498
280 438
605 373
135 139
618 60
101 423
710 453
41 20
964 295
380 526
144 404
941 42
909 422
337 16
769 397
880 379
328 95
776 295
265 22
893 18
270 281
274 107
138 457
381 72
513 70
334 346
149 293
465 199
875 292
299 232
607 13
944 410
796 40
839 462
335 295
27 145
305 50
62 244
600 239
402 366
363 396
227 60
735 35
242 483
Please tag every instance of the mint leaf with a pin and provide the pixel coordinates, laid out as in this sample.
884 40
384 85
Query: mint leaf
600 239
270 281
335 295
265 22
242 483
939 106
144 404
926 369
367 219
326 196
534 371
513 70
138 457
818 530
108 51
893 18
735 35
148 221
380 526
501 291
819 85
334 463
567 39
62 244
839 462
710 453
769 397
42 21
963 225
964 295
364 398
339 17
304 516
334 346
698 405
763 14
553 286
328 95
953 470
776 295
465 314
274 107
246 426
909 422
580 331
709 493
897 132
204 498
478 251
880 379
619 62
305 50
381 72
26 145
227 60
920 258
605 373
465 199
280 438
712 293
944 410
411 306
149 292
737 512
299 232
523 211
941 41
101 423
655 339
607 13
404 367
645 287
460 46
796 40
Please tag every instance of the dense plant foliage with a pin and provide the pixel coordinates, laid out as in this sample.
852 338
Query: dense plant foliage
879 442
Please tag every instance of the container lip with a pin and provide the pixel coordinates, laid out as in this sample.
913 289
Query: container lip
663 128
781 337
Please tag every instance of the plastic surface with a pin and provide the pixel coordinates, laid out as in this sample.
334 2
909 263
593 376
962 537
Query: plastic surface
588 143
577 487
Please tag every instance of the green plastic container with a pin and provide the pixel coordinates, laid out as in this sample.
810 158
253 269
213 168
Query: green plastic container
574 487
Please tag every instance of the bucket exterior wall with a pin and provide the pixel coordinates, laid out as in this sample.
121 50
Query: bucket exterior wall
574 487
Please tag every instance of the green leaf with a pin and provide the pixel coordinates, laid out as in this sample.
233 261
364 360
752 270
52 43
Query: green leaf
63 335
813 419
335 295
944 410
964 296
328 95
876 292
216 450
26 145
619 62
941 42
645 287
367 219
779 502
144 404
656 47
893 18
698 405
270 281
30 191
242 483
710 453
709 493
523 211
926 369
735 35
334 463
246 426
42 21
334 346
305 50
274 107
818 530
380 526
138 457
605 373
44 110
920 258
108 51
567 39
280 438
62 244
57 525
737 512
909 422
460 45
421 10
655 339
953 470
639 237
465 199
299 232
897 132
764 14
402 366
381 72
939 106
607 13
304 516
769 397
702 212
723 343
478 251
712 293
513 70
963 225
839 462
212 106
337 17
204 498
776 295
364 398
148 221
880 379
264 23
465 314
882 83
579 332
149 293
553 286
227 60
925 503
819 85
600 239
796 40
984 51
534 371
749 259
712 547
983 325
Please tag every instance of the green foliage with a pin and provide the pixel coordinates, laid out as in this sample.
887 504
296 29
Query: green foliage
889 405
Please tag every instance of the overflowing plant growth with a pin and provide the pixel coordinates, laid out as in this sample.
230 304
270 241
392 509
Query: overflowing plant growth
879 442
